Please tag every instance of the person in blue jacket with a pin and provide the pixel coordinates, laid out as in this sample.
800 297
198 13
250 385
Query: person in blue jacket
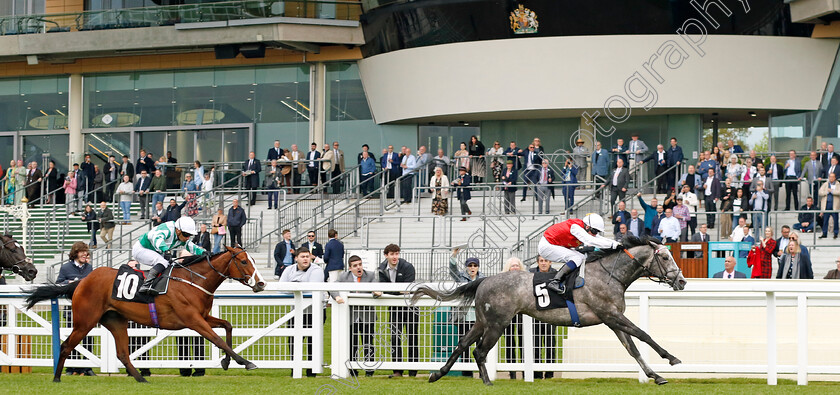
333 256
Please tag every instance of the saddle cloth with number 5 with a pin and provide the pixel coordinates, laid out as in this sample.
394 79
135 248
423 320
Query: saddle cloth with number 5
546 299
128 282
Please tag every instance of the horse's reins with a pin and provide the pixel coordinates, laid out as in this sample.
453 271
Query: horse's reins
207 259
648 273
11 250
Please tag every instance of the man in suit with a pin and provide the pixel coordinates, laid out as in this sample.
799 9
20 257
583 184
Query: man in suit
463 192
833 274
33 180
532 160
158 214
793 173
333 256
618 182
600 164
88 170
622 216
674 156
700 237
112 171
543 179
251 173
141 187
619 151
297 168
775 172
284 253
812 173
661 159
580 154
690 178
710 191
735 148
805 221
312 166
274 152
508 179
127 168
315 248
338 167
636 225
833 168
729 271
637 149
825 157
363 319
830 201
654 223
404 320
390 162
569 177
202 239
513 153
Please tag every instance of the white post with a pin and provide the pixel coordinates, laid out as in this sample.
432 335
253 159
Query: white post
802 346
771 339
340 350
644 324
215 352
318 332
110 363
297 350
528 347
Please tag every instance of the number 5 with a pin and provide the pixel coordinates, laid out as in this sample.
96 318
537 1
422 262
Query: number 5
542 295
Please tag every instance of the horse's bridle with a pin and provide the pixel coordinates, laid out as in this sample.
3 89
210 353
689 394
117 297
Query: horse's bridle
662 279
8 240
244 279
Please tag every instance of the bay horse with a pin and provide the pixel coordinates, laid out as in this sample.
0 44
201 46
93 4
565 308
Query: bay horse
497 299
186 304
13 257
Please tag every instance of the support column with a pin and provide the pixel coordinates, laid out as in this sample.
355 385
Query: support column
318 103
75 114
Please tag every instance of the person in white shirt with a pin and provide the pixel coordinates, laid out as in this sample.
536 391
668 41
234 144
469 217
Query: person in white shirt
739 233
759 200
669 227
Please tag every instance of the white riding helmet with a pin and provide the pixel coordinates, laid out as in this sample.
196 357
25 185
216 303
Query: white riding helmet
594 221
187 225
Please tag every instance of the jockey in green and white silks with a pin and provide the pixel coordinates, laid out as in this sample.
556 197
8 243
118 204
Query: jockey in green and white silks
165 237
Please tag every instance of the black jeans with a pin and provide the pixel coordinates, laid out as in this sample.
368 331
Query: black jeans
235 235
791 188
407 188
711 207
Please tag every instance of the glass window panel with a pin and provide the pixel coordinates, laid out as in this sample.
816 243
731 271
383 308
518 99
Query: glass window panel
100 145
208 147
182 145
236 145
57 145
154 80
33 103
194 78
112 82
7 150
235 76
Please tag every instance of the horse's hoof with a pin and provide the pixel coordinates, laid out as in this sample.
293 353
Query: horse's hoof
675 361
225 363
57 380
488 383
141 379
660 381
250 366
434 376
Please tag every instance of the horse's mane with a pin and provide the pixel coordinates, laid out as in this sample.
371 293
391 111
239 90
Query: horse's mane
193 259
628 241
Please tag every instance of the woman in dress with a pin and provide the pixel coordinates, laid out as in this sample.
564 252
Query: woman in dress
476 151
190 188
9 187
496 153
126 192
440 192
207 195
20 181
462 157
734 171
765 256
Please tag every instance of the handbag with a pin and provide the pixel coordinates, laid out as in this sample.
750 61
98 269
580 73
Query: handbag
222 230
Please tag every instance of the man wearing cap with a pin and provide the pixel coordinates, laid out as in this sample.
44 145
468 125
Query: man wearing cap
579 154
509 176
469 274
683 215
560 243
463 192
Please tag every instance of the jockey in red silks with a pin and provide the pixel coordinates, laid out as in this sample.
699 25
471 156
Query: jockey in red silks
559 243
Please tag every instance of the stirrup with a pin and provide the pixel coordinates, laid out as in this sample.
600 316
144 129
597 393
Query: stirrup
147 288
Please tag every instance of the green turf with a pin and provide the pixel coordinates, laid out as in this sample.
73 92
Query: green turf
242 382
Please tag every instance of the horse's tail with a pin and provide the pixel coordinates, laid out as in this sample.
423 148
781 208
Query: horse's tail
465 292
50 291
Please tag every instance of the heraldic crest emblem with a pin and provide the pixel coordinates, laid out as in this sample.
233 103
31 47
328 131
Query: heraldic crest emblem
523 21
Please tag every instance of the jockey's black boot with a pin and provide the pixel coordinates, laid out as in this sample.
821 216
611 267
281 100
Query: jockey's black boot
556 284
146 288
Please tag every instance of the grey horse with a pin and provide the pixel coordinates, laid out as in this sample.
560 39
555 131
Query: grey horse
601 301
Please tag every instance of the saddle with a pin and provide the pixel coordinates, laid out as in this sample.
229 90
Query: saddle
128 281
546 299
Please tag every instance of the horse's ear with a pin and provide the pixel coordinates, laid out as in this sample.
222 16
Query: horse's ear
8 236
653 244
